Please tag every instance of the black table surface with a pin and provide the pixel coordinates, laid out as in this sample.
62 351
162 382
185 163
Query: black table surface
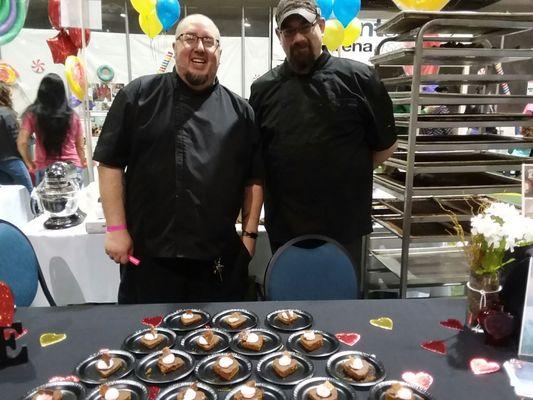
93 327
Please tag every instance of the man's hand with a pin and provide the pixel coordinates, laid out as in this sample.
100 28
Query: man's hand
118 245
249 243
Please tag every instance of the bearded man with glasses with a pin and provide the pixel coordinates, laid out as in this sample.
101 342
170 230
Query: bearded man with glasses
325 123
178 159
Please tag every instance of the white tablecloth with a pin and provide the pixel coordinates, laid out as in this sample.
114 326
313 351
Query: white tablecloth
15 204
78 271
74 264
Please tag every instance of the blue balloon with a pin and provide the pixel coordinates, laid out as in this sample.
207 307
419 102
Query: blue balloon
346 10
168 12
326 7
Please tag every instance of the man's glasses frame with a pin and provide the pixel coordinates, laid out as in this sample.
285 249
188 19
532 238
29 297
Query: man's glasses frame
305 29
191 39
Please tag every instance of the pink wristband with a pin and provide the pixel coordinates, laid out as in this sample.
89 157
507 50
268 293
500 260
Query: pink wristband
133 260
114 228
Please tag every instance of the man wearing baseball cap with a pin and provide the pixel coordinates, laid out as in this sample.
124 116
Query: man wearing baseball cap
325 123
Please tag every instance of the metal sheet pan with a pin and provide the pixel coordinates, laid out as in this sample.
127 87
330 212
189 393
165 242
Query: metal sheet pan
459 158
439 184
425 231
406 21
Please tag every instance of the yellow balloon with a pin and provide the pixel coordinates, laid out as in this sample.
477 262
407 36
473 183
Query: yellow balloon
76 77
333 34
352 32
143 6
150 24
421 5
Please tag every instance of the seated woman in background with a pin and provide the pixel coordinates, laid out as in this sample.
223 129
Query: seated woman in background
12 169
57 129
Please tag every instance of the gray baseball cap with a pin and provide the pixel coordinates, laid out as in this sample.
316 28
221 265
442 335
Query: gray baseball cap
307 9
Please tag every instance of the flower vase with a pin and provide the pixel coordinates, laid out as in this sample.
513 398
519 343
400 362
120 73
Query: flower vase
483 294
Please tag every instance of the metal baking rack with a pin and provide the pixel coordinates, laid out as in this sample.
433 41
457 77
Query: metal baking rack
461 166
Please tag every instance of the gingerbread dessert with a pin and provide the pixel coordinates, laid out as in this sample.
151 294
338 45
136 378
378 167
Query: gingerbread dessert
207 341
251 340
107 365
151 339
399 392
287 317
168 362
311 341
285 365
235 320
190 318
191 393
226 367
47 394
325 391
110 393
357 368
249 392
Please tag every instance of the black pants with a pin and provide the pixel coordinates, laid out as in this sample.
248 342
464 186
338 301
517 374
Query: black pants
181 280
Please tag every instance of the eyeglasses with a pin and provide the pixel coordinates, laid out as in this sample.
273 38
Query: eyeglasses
191 40
291 32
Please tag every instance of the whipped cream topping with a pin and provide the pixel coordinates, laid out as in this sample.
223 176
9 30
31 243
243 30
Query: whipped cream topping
188 315
248 392
101 364
233 319
225 362
356 363
43 396
202 340
288 314
252 338
150 336
111 394
323 390
284 361
190 394
404 394
168 359
309 335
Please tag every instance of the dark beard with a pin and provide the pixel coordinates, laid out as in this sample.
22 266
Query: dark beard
195 79
301 63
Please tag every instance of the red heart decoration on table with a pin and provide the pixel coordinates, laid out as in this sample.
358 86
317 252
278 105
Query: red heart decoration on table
153 391
152 321
70 378
349 338
7 305
452 323
418 378
480 366
10 331
436 346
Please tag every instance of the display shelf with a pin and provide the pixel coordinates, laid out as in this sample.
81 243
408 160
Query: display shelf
465 120
460 99
424 232
432 209
455 79
466 142
409 21
457 165
458 162
427 266
448 184
451 57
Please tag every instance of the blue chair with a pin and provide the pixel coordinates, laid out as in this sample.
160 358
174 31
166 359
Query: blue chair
311 267
19 267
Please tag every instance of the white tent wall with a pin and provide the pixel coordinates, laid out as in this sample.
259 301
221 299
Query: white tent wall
110 49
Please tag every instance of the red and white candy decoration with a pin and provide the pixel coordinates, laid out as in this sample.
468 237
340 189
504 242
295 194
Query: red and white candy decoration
37 66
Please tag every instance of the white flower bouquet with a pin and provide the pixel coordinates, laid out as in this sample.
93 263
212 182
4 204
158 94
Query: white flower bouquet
498 228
